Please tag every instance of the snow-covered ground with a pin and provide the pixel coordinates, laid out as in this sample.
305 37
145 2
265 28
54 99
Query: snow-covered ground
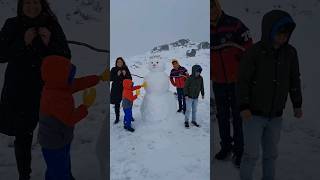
299 150
89 26
163 150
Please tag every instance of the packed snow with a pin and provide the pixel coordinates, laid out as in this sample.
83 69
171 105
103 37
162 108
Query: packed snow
94 31
157 94
299 148
162 148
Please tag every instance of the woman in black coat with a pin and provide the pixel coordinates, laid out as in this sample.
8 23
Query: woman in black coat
118 74
24 41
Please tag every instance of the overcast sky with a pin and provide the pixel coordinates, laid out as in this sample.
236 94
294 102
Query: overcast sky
139 25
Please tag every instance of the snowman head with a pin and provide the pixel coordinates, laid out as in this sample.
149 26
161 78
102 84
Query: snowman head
156 65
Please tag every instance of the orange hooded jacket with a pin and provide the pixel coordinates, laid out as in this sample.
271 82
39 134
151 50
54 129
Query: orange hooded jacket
128 89
57 100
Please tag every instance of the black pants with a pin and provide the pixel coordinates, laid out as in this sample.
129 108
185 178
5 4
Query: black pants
226 100
117 110
22 148
181 99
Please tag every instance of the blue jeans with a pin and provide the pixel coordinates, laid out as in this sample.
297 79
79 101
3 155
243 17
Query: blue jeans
58 163
265 132
181 99
127 117
192 105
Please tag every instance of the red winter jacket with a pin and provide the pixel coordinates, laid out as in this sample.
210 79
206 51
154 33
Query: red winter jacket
57 100
229 40
178 77
128 90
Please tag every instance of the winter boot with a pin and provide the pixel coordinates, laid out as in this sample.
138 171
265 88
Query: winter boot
236 159
186 124
195 123
117 120
223 154
130 129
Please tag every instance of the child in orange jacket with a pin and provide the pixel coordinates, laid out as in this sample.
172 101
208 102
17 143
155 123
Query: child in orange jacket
127 102
58 114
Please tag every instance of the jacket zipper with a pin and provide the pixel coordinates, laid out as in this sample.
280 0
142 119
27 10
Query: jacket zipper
275 85
223 67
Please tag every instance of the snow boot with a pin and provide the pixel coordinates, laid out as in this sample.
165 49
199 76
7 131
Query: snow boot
117 120
179 110
236 159
130 129
186 124
195 123
223 154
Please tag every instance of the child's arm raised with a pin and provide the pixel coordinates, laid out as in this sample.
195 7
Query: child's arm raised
136 87
84 83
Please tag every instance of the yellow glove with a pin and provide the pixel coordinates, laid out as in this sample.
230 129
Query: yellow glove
105 76
144 85
138 92
89 97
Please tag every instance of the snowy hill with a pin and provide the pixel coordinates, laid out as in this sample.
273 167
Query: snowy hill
164 150
89 30
300 141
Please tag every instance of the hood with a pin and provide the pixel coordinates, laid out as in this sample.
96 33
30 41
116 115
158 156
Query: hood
127 84
273 21
196 68
56 71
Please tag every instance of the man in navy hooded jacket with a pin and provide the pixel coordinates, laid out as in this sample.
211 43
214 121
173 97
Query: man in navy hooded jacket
269 72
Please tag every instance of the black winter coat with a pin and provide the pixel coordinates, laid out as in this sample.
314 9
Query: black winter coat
268 76
117 87
20 96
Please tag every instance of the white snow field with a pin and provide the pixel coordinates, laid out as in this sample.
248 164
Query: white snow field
162 150
89 26
299 149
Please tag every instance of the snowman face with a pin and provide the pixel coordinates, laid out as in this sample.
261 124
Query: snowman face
156 65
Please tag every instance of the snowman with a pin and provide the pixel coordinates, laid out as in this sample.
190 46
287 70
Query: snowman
158 103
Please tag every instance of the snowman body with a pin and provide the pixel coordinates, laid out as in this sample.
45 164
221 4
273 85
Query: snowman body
158 103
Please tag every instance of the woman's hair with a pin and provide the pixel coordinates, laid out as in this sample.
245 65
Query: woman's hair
124 63
45 9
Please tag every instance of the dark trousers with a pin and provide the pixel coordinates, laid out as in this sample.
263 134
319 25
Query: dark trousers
226 102
117 110
22 149
181 99
58 163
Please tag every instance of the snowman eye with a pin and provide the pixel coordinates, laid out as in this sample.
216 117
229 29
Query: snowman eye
157 62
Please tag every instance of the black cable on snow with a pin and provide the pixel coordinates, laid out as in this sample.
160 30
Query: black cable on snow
89 46
137 76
